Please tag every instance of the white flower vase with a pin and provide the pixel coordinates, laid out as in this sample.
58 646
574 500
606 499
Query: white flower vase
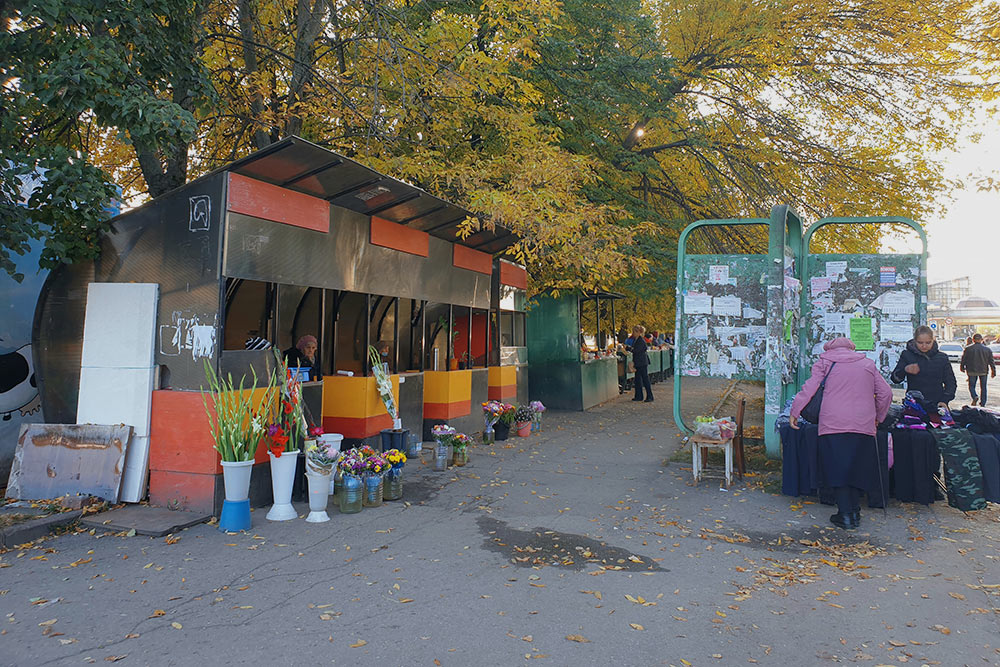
282 477
235 515
319 496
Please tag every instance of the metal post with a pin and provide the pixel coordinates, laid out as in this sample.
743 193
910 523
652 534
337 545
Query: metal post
368 333
468 350
423 336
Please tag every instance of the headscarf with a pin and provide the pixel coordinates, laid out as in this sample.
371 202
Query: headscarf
305 340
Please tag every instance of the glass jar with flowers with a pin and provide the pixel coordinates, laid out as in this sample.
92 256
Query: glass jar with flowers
460 446
351 466
491 414
375 467
537 408
443 435
393 489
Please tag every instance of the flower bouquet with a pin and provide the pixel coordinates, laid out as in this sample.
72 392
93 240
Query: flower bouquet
522 420
491 414
351 466
460 447
286 432
375 466
383 383
393 488
236 423
321 457
443 434
505 421
537 408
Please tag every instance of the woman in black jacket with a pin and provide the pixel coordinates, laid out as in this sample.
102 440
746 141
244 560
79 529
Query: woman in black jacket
926 369
641 362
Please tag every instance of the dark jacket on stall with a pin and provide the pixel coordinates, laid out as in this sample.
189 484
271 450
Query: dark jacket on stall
977 359
936 379
639 356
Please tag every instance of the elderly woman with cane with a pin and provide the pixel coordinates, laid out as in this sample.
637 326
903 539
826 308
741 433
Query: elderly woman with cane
855 398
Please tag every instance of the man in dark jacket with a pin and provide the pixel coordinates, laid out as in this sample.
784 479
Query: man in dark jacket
977 360
641 362
926 368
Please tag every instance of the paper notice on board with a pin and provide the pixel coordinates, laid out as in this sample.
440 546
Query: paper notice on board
861 333
899 331
727 305
739 353
693 372
887 276
718 274
836 270
697 303
836 323
751 313
698 330
898 303
819 285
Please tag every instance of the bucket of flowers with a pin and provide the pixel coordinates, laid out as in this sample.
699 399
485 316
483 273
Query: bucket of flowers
286 431
460 448
351 466
506 421
522 420
393 489
321 456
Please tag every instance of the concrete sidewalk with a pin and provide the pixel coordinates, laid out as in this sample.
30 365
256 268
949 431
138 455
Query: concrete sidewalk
575 546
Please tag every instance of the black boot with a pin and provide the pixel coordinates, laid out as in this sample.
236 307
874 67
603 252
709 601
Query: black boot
855 517
843 521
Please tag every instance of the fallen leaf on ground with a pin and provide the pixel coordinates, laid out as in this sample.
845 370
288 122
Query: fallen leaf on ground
157 612
47 623
405 600
943 629
636 626
116 658
359 643
176 626
578 638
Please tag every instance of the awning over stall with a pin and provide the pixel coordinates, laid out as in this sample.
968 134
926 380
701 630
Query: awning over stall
303 166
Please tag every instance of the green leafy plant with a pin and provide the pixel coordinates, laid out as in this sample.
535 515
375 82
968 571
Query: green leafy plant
236 419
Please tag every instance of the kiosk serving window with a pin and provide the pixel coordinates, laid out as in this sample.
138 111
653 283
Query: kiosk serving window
249 312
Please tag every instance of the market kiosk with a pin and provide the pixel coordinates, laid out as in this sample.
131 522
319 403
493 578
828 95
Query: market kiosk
571 338
292 240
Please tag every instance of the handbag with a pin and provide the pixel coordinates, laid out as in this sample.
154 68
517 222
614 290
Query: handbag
811 412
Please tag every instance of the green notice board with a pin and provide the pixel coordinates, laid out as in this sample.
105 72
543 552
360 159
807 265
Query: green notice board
721 316
843 292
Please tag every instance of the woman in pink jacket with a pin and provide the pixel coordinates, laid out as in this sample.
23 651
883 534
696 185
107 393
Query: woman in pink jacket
856 398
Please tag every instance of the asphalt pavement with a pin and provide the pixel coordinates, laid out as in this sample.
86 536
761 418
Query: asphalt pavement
580 545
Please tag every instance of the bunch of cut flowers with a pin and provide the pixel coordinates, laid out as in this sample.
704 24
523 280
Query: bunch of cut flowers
492 411
376 464
352 462
523 414
508 414
460 442
537 407
288 426
321 456
394 457
235 419
443 433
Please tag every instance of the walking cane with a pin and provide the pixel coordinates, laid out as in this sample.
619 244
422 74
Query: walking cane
878 462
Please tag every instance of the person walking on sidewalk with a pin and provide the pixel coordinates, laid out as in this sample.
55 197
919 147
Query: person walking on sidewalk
855 398
926 369
641 362
977 360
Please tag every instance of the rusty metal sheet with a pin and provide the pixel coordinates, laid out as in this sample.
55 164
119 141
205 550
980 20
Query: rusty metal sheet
52 460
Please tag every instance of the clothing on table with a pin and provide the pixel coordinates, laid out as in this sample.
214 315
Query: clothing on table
988 450
916 459
981 380
848 459
936 379
980 421
977 359
962 473
856 397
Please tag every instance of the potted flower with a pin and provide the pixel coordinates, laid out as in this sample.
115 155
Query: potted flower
321 456
393 489
522 420
351 466
286 432
375 467
460 446
505 421
443 435
237 428
536 412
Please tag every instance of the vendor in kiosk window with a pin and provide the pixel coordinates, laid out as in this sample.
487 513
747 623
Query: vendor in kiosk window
305 355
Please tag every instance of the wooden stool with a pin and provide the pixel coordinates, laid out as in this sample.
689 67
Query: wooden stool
698 443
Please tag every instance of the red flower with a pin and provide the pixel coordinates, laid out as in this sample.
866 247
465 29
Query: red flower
287 407
276 450
280 439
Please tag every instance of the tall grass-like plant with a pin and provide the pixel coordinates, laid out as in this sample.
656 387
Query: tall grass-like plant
236 424
288 426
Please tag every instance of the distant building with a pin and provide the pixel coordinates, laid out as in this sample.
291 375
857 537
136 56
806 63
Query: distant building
948 293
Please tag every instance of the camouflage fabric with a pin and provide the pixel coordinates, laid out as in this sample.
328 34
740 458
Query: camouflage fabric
962 474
